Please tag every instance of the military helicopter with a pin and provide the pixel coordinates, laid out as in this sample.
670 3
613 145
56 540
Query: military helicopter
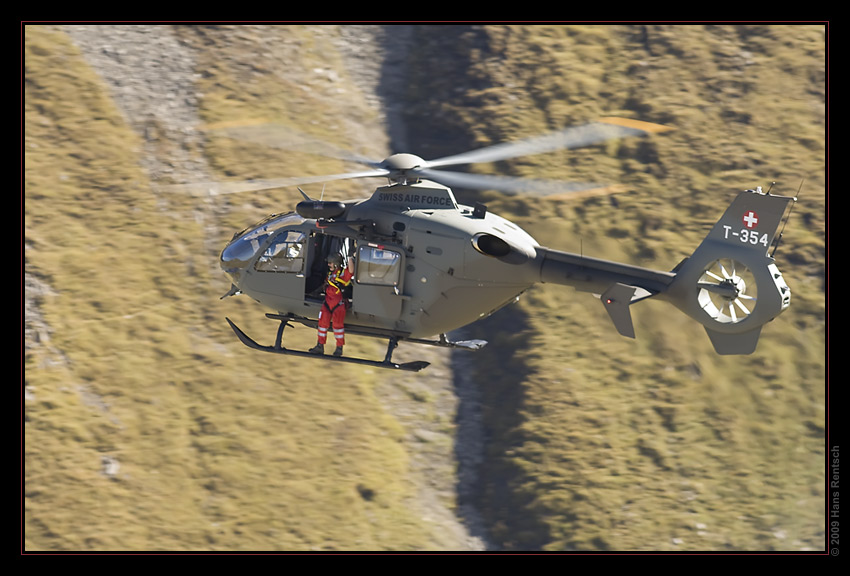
426 265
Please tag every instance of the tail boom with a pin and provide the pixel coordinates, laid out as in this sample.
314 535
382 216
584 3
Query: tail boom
618 285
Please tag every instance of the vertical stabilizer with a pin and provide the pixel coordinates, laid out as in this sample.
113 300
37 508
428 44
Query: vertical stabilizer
730 284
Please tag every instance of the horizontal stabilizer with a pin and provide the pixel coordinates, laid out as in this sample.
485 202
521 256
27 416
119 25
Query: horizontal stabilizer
742 343
616 300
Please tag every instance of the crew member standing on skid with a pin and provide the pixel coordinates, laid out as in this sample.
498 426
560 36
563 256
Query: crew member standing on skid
333 309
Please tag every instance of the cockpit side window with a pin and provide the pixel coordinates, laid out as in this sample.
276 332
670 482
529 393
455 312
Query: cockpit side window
285 253
245 245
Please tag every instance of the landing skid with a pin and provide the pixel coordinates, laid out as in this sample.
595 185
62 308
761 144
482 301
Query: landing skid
279 349
443 341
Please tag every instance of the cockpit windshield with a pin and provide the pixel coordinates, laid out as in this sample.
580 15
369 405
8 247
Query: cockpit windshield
243 248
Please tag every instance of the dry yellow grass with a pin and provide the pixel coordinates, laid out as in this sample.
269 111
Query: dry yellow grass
594 442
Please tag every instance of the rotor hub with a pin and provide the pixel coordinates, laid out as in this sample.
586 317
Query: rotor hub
733 287
740 285
403 162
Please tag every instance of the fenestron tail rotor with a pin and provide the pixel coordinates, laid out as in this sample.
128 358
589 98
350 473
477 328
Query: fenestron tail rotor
727 291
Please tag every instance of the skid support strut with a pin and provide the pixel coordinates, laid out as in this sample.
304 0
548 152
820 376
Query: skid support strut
278 348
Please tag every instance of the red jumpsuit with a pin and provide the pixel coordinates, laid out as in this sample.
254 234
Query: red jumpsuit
333 310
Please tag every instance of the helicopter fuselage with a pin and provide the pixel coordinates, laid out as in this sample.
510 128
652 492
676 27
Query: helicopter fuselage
424 264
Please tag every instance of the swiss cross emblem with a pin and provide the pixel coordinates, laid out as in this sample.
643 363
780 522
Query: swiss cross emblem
751 219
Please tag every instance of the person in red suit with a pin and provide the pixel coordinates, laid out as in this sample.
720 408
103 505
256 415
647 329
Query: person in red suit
334 307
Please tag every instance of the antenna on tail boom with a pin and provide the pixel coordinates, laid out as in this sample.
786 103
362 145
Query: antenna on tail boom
788 217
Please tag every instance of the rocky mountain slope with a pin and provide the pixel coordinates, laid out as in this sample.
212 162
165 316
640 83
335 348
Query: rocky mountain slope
148 427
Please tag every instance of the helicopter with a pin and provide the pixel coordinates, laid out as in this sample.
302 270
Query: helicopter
425 265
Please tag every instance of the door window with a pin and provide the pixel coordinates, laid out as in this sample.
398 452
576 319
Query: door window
378 266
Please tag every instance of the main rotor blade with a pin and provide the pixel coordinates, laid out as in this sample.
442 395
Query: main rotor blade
507 183
573 137
286 138
218 188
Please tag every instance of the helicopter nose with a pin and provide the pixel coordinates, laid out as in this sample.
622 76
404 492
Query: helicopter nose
235 258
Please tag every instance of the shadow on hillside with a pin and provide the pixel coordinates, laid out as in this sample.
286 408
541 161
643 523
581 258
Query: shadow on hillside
487 383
